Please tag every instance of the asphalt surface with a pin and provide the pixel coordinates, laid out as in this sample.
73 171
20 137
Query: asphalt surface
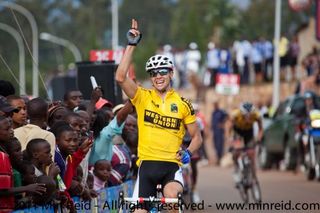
281 191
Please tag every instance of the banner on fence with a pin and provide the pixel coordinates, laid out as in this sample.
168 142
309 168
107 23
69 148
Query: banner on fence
107 201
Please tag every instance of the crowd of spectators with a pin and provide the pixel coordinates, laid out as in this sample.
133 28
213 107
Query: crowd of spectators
252 60
53 151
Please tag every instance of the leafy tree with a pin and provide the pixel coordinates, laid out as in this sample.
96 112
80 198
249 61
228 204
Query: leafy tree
258 19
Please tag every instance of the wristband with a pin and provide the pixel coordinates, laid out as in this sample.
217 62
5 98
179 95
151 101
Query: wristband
186 156
187 150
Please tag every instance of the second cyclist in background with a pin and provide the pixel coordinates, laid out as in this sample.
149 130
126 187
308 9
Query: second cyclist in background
243 120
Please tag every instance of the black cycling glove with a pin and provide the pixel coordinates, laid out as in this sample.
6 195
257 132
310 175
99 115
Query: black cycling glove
132 39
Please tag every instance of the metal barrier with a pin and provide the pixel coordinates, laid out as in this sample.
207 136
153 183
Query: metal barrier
107 201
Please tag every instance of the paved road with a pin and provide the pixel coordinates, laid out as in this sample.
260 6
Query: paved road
216 186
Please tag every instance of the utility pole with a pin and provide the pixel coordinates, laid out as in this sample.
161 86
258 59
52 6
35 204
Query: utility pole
115 24
276 64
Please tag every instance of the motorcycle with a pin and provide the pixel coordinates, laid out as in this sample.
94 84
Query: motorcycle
311 141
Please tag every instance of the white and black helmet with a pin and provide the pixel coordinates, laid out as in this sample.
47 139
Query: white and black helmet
159 62
246 108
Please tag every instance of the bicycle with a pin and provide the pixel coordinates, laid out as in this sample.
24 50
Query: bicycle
157 203
247 182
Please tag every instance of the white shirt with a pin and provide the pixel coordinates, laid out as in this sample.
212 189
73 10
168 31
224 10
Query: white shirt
193 58
213 61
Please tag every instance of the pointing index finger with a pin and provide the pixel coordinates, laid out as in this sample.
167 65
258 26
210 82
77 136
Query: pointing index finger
134 24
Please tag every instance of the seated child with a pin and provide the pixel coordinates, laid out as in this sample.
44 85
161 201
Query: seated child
101 174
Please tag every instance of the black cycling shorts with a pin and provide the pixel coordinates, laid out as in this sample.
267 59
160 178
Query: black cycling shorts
152 173
247 135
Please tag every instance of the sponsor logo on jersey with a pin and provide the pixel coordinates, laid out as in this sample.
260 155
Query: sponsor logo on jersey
174 108
163 121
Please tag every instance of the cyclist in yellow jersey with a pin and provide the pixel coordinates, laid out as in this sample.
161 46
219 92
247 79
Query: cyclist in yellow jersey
243 120
163 117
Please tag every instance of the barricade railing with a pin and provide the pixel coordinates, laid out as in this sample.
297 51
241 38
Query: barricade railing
107 201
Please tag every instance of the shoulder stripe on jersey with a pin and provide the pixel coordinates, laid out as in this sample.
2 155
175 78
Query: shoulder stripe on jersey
189 105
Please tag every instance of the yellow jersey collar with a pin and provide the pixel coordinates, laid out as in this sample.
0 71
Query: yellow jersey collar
169 93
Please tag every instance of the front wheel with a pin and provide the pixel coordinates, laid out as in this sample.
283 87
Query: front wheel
243 193
180 202
289 158
310 172
256 191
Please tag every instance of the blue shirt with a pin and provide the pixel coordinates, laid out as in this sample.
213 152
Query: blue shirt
217 119
102 146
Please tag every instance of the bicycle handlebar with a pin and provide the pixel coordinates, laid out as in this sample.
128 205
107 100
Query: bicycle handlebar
151 199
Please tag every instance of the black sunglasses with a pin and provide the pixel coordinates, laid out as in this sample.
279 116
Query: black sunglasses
162 72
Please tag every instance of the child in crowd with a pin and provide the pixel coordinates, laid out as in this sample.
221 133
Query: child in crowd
39 153
15 155
69 154
28 177
56 112
80 123
27 171
101 174
74 120
18 118
7 189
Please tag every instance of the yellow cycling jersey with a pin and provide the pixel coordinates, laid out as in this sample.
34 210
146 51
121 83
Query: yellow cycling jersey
161 124
240 122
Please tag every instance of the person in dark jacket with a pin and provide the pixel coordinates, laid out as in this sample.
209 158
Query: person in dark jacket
218 118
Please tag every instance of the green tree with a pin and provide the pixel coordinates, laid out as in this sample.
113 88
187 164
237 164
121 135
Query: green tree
258 19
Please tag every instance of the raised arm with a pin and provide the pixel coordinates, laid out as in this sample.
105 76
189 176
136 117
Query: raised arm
127 84
124 112
96 94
